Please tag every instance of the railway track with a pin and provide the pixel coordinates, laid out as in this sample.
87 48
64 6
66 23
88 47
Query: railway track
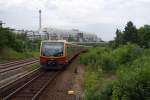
32 88
13 63
16 64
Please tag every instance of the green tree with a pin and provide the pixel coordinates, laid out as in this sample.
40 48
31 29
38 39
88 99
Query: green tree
130 33
147 34
144 36
71 38
141 35
118 38
7 38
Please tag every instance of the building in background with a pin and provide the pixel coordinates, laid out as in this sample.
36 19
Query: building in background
69 35
73 35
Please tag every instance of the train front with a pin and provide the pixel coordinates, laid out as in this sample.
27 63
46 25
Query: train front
53 54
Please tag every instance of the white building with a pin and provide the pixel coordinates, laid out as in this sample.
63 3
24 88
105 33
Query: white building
74 34
59 34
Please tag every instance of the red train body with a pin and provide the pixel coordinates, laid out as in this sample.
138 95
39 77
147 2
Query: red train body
56 54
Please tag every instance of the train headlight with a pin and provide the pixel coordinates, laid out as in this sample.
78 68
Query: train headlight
49 62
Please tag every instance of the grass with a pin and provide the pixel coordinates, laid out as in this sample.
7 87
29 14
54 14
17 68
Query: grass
8 54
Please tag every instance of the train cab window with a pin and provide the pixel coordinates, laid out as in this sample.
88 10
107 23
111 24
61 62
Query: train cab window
54 49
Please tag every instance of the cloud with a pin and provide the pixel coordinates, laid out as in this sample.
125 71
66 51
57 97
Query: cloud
99 16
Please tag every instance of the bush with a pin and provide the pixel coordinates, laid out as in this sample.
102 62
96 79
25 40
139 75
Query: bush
10 54
98 58
91 85
6 37
18 42
126 54
107 62
132 64
133 82
106 92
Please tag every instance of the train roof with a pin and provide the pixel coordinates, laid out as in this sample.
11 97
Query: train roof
74 44
70 43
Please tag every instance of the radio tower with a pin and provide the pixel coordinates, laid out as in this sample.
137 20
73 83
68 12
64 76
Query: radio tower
40 20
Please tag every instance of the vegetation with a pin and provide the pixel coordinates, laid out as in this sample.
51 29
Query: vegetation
131 34
16 46
121 72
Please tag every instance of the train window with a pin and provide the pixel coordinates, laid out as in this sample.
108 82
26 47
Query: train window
55 49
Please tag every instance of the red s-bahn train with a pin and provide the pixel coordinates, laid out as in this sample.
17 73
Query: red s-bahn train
55 54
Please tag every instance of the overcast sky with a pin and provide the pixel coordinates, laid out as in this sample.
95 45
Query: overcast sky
97 16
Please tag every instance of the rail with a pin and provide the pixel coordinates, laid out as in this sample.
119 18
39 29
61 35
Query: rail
36 84
16 65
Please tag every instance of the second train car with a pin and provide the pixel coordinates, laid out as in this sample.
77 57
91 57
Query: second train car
55 54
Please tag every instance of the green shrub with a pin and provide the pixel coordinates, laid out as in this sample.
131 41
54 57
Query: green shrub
107 62
10 54
91 84
133 83
98 58
18 42
108 59
132 64
92 57
106 92
126 54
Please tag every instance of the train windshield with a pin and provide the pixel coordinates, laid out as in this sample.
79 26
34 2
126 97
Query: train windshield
55 49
